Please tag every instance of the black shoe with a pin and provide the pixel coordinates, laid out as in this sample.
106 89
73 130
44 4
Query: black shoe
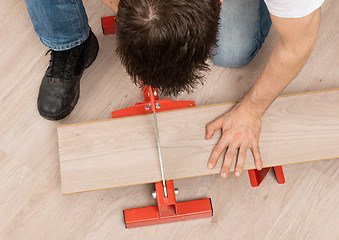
60 87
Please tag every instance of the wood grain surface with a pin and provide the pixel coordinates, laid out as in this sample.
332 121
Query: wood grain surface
123 152
31 203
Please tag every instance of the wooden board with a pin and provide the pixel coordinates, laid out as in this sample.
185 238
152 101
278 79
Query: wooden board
122 152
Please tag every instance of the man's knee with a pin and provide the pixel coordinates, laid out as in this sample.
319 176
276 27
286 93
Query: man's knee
236 55
244 26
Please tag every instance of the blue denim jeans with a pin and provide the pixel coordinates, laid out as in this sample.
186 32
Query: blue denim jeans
60 24
244 25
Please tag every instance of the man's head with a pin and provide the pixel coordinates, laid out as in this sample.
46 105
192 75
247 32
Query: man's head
165 43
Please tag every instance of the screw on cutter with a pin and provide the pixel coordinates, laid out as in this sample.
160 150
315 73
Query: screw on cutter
155 93
154 193
148 107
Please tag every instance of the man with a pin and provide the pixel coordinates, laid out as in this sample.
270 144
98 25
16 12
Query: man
166 43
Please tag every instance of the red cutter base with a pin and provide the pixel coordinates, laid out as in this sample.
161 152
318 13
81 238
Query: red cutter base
167 210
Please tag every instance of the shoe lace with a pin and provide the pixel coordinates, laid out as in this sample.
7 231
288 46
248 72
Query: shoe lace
57 66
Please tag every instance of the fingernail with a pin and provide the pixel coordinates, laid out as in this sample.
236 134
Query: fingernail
237 174
223 175
210 165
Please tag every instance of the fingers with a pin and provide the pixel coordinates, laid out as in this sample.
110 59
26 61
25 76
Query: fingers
241 160
257 155
212 127
242 157
217 151
238 134
229 156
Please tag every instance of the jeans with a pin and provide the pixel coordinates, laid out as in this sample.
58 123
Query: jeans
244 25
60 24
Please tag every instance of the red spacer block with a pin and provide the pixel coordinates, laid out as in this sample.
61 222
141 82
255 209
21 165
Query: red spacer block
256 176
108 25
146 216
279 174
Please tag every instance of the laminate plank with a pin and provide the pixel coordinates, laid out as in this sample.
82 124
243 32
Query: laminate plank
123 152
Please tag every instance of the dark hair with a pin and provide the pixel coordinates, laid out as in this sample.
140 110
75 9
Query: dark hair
165 43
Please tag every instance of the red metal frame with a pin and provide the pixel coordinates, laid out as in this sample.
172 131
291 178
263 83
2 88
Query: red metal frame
140 107
108 25
167 209
256 176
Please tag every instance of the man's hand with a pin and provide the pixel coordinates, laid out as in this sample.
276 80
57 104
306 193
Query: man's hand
240 131
241 126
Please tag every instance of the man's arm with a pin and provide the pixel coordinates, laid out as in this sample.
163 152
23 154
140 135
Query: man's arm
241 126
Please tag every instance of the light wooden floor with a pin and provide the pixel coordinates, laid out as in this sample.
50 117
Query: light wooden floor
31 204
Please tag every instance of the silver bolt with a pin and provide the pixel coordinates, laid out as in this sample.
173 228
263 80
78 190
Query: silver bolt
157 105
154 194
148 107
155 93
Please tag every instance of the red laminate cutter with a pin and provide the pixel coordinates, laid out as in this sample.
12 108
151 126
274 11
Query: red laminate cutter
167 209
